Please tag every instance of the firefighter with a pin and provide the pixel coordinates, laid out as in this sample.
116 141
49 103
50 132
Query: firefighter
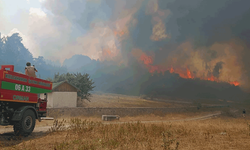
30 70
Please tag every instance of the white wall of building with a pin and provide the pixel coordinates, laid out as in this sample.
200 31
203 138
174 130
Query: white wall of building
64 99
50 100
61 99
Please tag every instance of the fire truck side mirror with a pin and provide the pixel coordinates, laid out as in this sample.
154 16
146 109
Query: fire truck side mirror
45 95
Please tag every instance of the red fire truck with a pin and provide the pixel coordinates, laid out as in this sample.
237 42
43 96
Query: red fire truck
20 102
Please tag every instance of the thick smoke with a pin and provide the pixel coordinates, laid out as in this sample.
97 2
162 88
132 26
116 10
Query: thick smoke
195 34
217 68
93 26
196 39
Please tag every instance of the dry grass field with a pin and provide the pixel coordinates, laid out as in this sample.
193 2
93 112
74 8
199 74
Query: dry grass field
227 131
221 133
99 99
117 100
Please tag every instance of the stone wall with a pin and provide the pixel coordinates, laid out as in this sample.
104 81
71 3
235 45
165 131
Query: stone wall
122 112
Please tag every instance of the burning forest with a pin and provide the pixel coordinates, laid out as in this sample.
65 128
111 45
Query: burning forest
196 48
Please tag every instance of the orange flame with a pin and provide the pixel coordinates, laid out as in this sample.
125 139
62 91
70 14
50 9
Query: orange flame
118 33
148 61
235 83
171 70
212 78
108 54
189 74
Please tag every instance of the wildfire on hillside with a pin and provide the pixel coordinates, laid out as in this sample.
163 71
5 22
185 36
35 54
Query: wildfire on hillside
182 72
147 34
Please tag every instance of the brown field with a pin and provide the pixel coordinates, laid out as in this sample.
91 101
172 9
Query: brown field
117 100
99 99
227 131
219 133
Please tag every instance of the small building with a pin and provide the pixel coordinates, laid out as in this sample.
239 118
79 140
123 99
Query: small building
63 94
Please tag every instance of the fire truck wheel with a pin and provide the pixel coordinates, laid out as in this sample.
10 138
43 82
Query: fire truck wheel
26 125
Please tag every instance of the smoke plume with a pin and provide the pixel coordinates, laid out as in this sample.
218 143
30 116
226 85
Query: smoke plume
195 39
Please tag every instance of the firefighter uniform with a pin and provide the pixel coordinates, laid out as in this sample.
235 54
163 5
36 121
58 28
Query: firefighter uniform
31 71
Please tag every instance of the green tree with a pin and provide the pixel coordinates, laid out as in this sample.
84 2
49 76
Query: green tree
81 81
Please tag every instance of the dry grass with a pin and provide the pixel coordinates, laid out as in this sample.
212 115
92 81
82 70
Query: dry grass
219 133
116 100
226 132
